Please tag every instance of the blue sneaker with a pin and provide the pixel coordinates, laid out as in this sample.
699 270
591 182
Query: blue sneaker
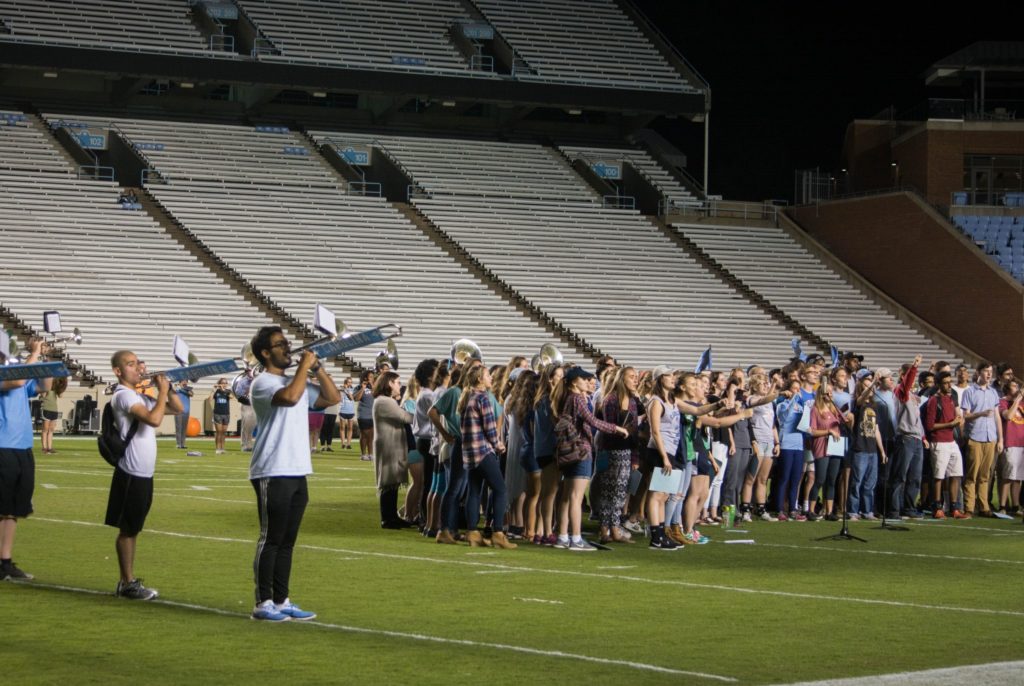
293 611
268 612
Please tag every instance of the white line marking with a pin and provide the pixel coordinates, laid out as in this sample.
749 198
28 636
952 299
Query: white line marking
618 567
49 486
894 553
963 526
481 553
540 600
498 571
168 462
589 575
406 635
200 488
992 674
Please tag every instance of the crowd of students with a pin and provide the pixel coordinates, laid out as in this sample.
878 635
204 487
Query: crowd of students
669 453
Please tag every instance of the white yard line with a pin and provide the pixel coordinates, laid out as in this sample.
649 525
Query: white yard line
863 551
992 674
558 654
595 575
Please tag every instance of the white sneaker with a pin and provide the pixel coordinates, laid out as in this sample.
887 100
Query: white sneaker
746 517
634 527
766 516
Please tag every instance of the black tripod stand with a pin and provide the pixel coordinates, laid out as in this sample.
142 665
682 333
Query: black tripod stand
844 533
885 503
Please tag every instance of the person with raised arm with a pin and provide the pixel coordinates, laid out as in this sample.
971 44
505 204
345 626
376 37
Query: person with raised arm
137 417
281 461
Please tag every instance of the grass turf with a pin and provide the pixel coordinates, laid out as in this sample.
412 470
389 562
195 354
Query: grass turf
787 608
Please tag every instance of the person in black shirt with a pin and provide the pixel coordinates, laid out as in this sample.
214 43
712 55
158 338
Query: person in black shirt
221 413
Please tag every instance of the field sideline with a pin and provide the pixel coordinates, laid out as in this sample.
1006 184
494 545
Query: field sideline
395 607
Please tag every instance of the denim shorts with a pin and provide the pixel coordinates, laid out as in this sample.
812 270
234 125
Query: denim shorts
529 463
578 470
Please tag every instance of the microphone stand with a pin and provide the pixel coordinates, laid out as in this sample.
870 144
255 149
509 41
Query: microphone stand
885 500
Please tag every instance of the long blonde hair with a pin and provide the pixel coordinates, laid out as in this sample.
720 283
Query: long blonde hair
412 390
469 383
618 388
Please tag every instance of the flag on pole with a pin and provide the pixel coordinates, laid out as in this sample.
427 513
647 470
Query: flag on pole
704 362
835 356
795 344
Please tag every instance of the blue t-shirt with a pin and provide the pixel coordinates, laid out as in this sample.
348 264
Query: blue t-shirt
16 416
186 402
789 413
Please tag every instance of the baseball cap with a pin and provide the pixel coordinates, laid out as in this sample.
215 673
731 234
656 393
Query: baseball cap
850 355
861 373
577 373
515 373
660 371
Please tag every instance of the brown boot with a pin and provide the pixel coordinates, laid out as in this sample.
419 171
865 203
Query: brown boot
500 540
445 536
675 532
476 540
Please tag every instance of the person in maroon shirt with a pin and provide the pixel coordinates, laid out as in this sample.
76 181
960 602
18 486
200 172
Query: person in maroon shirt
941 416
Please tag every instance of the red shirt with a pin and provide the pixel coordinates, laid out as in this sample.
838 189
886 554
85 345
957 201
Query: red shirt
932 416
828 420
1013 428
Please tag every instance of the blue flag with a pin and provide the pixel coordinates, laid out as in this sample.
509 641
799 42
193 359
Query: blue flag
795 344
704 362
835 356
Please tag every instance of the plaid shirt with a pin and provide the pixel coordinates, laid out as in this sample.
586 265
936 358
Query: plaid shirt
479 430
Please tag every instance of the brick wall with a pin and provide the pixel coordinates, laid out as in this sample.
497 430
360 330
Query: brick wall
909 252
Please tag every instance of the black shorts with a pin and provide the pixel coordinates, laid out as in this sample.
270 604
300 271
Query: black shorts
129 502
346 415
51 415
704 466
17 482
544 460
365 424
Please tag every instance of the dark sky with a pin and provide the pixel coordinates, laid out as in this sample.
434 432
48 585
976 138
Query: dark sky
787 77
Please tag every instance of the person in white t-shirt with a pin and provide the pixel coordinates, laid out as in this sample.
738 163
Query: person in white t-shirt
280 463
131 488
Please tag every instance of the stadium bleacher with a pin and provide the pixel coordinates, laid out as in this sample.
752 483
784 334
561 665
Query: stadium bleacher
140 25
113 273
384 34
582 41
235 189
776 265
508 202
1000 236
671 190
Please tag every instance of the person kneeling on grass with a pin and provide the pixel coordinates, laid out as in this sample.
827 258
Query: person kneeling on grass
131 488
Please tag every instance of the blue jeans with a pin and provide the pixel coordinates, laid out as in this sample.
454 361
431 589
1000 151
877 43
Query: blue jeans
863 476
915 471
791 469
455 475
910 450
488 470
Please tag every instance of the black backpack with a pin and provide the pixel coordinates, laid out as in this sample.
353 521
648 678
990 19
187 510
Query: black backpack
112 446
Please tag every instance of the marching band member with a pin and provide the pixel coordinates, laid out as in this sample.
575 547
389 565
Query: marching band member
17 464
281 461
137 417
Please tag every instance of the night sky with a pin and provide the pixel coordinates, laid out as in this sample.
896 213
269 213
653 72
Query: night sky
787 78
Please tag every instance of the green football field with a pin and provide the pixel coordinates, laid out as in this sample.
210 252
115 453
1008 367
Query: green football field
397 608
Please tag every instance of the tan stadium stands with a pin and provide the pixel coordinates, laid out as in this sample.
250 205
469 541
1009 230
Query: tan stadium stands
775 265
